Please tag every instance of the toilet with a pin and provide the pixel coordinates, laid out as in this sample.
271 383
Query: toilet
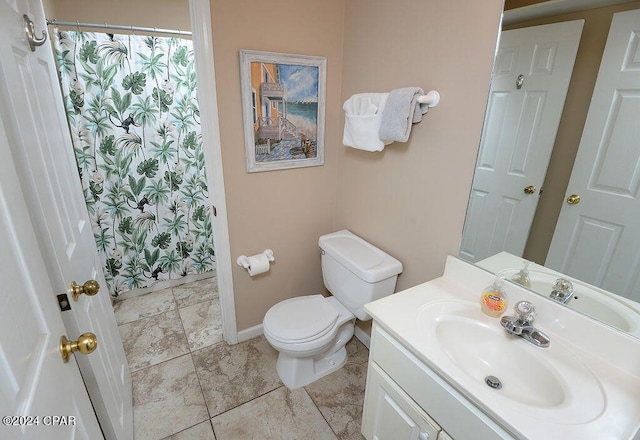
310 332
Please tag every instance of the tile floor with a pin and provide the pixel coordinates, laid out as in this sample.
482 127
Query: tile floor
188 384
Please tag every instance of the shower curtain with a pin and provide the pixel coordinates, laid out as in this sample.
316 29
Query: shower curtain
134 119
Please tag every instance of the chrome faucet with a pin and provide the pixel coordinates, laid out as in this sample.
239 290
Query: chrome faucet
521 325
562 291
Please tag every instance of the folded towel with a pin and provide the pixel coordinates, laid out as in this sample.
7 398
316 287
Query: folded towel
401 111
363 113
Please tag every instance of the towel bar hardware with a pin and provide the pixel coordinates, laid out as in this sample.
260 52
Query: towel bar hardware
31 34
432 99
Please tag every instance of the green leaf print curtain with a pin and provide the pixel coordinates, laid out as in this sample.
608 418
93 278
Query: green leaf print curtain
135 123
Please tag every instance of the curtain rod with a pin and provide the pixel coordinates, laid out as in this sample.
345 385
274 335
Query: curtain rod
106 26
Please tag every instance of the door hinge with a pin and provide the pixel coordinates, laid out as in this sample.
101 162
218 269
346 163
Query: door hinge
215 211
63 302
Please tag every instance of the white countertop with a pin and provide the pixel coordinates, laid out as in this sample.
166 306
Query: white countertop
611 356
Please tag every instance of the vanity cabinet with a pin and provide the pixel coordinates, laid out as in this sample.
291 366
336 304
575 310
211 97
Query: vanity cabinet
405 399
391 414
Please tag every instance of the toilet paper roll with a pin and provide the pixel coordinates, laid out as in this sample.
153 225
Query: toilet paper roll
258 264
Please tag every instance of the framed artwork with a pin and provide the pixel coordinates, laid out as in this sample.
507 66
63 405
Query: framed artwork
283 104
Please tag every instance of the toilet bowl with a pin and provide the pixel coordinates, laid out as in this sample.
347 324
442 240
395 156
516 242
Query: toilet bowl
310 332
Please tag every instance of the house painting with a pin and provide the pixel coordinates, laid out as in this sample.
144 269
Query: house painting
284 126
269 102
283 110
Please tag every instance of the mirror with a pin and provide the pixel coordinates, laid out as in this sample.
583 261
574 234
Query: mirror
612 297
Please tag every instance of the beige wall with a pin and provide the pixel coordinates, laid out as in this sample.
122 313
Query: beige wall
585 72
49 8
164 14
411 198
285 210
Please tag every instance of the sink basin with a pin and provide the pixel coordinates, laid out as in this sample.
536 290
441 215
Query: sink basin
597 304
614 310
607 310
549 383
481 350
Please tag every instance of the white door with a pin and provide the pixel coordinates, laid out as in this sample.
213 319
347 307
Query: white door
598 239
34 381
40 142
531 76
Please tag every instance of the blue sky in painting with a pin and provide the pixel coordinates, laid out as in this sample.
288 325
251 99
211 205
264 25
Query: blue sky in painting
301 82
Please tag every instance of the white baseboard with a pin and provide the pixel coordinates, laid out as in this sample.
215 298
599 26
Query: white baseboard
250 333
362 336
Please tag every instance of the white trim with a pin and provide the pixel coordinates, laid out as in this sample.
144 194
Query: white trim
362 336
207 98
250 333
554 7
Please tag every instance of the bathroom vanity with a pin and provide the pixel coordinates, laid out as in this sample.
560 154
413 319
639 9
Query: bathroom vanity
441 369
393 413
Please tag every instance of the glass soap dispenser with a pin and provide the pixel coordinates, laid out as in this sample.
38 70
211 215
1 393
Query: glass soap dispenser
522 277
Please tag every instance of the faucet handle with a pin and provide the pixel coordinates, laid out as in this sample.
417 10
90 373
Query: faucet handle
563 286
526 312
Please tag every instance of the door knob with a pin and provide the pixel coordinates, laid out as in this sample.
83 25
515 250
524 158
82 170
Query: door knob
529 189
86 343
573 199
89 288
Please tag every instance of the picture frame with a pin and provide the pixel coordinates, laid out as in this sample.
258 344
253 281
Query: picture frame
283 104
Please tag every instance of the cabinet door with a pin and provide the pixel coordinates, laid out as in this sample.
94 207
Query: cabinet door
390 414
444 436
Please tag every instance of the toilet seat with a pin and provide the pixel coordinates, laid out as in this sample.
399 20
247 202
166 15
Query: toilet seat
300 319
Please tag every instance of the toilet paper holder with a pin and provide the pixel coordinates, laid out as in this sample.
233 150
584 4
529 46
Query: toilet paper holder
243 260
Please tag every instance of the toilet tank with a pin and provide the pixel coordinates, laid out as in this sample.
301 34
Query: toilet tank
356 272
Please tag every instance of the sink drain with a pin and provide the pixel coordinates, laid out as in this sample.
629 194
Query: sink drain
493 382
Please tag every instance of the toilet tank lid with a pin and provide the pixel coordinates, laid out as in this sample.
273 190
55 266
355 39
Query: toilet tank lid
362 258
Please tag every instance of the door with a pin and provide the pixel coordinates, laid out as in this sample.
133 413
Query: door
390 414
39 140
34 381
598 239
531 77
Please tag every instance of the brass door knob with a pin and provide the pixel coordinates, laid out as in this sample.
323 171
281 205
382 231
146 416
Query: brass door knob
89 288
86 343
529 189
573 199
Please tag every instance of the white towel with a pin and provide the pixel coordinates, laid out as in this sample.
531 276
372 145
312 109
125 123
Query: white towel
363 113
402 110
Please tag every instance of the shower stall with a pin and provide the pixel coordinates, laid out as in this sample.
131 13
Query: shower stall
132 109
